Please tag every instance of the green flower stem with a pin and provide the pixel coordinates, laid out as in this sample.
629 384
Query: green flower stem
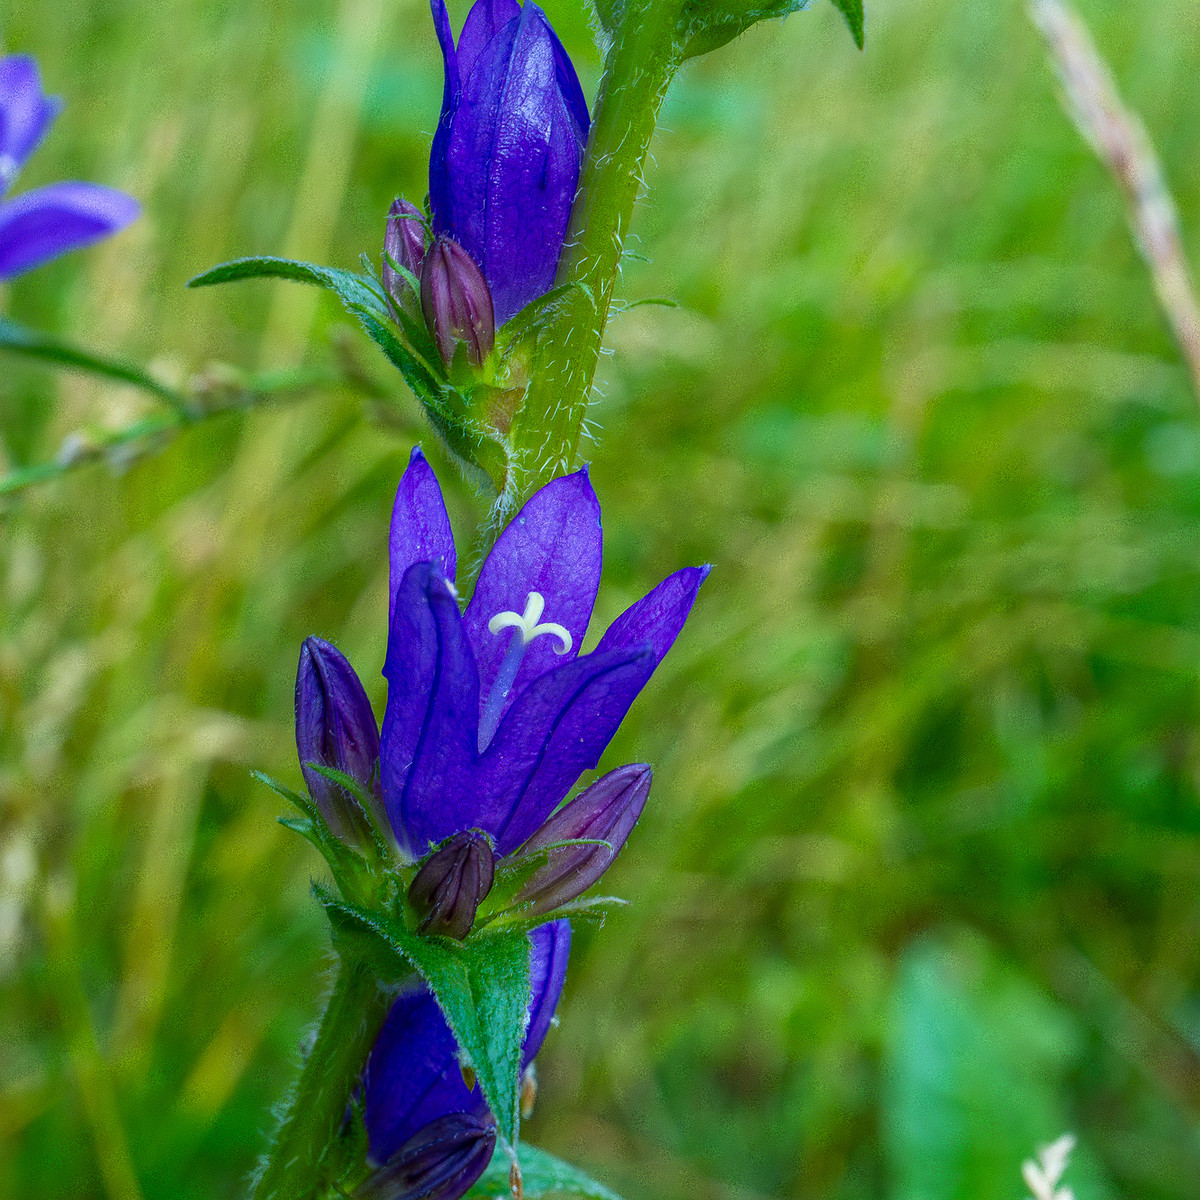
638 68
299 1161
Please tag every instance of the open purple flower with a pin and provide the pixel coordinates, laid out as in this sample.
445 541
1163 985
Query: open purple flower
419 1110
505 161
492 713
48 221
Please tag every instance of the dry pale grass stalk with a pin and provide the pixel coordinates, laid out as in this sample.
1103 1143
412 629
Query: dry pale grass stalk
1042 1176
1120 140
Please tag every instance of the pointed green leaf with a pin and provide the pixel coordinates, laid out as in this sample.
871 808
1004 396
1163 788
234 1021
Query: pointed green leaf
852 10
542 1175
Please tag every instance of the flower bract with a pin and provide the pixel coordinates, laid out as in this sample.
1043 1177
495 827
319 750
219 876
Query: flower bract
414 1076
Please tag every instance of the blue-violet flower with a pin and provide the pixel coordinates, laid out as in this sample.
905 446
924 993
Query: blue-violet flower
505 161
492 713
48 221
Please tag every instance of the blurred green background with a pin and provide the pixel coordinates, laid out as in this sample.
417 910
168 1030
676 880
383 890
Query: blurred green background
918 887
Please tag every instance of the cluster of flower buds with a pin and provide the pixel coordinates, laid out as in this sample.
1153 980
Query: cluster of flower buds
454 299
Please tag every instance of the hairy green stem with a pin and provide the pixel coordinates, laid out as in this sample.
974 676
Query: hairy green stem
298 1162
639 66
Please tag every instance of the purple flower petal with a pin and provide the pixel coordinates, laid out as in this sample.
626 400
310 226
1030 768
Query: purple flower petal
568 85
26 113
547 973
430 726
484 21
440 190
657 618
40 225
412 1076
558 728
553 546
420 530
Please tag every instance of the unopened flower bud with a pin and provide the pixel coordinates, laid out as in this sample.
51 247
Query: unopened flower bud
456 302
403 244
335 727
452 881
440 1162
605 813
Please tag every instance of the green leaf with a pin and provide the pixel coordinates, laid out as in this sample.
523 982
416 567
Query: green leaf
542 1175
852 10
482 987
19 340
364 299
707 25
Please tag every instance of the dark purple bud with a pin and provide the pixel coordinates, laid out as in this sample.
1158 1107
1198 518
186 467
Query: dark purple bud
452 881
335 727
403 244
604 812
440 1162
456 302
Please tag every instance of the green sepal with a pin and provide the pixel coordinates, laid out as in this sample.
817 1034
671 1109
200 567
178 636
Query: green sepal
594 909
541 1174
347 866
382 841
482 987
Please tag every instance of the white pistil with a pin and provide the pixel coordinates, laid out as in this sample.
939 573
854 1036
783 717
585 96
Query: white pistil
528 625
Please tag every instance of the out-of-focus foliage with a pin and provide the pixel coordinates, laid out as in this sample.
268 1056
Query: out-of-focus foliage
918 885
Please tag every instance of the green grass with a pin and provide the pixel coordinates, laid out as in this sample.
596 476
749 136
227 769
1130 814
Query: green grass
918 885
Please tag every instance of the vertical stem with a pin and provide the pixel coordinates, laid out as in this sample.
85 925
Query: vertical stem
296 1162
638 67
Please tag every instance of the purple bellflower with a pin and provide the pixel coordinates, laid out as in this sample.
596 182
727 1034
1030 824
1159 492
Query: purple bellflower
48 221
492 712
427 1125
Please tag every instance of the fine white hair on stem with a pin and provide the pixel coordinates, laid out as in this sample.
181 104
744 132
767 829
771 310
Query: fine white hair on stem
1119 139
1042 1176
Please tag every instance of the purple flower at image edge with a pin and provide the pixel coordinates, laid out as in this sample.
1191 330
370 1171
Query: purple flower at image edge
41 224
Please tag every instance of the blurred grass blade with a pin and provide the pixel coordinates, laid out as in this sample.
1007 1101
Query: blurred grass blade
1120 140
19 340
